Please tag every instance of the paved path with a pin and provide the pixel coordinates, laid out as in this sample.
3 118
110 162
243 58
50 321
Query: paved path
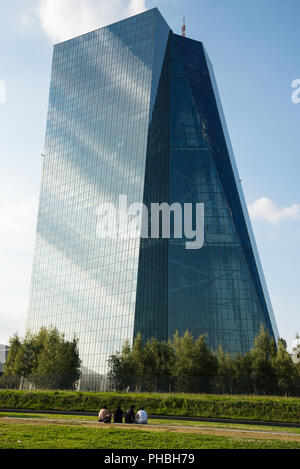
165 417
233 432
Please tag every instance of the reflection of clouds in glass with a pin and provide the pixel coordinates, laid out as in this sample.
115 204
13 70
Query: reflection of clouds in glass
105 154
67 243
133 73
96 143
128 95
113 64
69 295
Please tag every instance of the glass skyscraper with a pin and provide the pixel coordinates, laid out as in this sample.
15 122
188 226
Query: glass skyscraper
134 110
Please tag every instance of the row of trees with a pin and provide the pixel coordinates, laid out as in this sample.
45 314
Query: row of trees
185 364
45 360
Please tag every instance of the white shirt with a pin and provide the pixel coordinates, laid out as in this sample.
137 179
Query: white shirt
142 416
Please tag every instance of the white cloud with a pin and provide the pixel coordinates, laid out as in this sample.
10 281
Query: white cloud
64 19
266 209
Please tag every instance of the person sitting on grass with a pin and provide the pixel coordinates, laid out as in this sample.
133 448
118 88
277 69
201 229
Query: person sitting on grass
141 416
129 416
104 415
118 415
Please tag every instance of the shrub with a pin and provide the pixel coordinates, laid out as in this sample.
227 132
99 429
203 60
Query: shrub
262 408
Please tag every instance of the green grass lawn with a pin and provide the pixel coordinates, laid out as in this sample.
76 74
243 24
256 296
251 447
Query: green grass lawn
175 423
54 436
65 437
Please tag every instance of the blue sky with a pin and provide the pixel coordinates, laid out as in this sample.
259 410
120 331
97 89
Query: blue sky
253 46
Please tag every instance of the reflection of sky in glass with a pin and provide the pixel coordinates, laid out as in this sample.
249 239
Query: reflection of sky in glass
218 286
102 92
214 290
117 94
242 199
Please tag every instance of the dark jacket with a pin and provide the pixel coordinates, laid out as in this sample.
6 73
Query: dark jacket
118 415
129 416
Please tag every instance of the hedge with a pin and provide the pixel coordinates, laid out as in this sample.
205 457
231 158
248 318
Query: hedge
266 408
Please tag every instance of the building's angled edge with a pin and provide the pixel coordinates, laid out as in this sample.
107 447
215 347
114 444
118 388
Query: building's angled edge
242 199
228 172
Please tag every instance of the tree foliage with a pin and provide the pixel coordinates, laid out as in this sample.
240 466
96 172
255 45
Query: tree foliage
194 363
186 364
284 370
262 354
45 359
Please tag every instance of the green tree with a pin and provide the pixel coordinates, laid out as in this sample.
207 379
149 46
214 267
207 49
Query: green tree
205 366
262 354
122 373
243 373
57 361
225 376
183 366
12 369
13 366
159 360
46 359
139 361
142 366
284 368
195 364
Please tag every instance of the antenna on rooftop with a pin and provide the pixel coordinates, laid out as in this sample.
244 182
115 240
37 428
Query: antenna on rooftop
183 27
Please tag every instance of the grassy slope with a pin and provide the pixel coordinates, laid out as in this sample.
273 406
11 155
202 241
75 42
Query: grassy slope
223 406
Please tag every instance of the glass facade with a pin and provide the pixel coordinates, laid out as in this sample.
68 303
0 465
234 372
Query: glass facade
133 110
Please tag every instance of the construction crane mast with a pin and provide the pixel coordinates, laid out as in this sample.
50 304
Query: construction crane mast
183 27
